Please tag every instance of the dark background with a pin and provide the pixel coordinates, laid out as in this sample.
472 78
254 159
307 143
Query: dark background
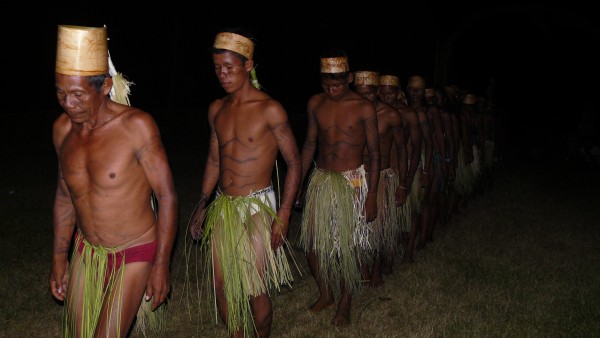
543 59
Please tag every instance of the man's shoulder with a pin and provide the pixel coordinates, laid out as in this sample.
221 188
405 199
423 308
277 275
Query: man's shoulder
137 119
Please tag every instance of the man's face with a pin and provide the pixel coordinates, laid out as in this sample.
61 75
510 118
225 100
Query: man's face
415 94
388 93
230 70
369 92
334 88
79 99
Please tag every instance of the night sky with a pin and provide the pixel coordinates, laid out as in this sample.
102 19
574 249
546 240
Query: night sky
543 58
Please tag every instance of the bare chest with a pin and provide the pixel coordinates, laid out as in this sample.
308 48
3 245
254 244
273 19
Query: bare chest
104 160
240 131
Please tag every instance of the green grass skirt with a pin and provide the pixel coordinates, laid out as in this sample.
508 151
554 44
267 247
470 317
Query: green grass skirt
464 181
237 235
102 285
386 228
334 227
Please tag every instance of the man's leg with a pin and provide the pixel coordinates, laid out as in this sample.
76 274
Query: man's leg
74 300
325 299
412 237
376 274
129 300
263 314
262 309
342 315
219 289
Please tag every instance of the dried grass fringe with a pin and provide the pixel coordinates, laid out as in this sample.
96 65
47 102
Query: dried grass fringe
228 231
332 225
92 265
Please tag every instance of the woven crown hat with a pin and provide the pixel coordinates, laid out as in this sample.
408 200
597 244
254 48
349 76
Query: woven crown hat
469 99
389 80
366 77
81 51
235 43
334 65
416 81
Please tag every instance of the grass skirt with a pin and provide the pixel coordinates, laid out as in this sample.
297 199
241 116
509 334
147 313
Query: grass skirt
415 197
464 181
386 229
334 227
101 285
237 232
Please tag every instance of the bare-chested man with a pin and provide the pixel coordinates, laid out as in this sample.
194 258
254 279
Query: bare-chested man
391 193
389 92
245 228
415 90
111 159
439 167
339 201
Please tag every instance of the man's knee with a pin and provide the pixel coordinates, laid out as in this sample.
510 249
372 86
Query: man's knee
263 312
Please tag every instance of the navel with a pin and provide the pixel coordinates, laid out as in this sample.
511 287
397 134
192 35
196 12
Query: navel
112 175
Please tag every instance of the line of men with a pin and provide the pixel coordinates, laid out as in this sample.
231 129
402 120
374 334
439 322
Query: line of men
374 168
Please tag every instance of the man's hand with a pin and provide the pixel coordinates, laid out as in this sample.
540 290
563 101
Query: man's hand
371 207
400 195
59 277
279 229
157 286
299 199
196 225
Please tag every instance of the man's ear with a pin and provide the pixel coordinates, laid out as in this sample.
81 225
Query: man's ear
107 85
350 77
249 64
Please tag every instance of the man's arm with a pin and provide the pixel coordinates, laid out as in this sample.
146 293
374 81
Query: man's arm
372 133
427 138
153 158
414 133
449 139
64 224
209 181
438 129
402 156
308 148
286 142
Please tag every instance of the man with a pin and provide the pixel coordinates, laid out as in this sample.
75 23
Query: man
415 89
339 201
439 166
389 92
391 192
245 230
111 159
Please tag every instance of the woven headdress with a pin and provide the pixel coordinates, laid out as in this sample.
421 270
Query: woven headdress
83 51
389 80
469 99
366 78
334 65
416 81
235 43
241 45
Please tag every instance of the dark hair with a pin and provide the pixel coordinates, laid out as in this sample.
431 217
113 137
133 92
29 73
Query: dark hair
239 31
97 81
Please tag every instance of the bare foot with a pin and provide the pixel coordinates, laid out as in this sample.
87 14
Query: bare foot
341 319
320 304
376 281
